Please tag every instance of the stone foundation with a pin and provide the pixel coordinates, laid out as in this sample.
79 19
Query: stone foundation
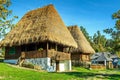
45 64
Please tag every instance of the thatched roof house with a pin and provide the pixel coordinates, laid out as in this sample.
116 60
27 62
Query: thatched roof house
82 53
42 36
42 24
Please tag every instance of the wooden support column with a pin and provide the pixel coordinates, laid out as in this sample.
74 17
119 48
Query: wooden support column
47 48
69 49
81 57
25 48
35 46
89 56
56 47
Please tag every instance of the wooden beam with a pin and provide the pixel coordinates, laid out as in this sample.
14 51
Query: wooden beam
25 48
47 45
35 46
56 46
69 50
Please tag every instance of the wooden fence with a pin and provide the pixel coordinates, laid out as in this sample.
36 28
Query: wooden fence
100 67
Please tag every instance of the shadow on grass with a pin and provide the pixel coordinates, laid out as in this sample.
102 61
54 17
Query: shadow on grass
91 74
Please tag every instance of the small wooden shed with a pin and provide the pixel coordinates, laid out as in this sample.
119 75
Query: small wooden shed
103 59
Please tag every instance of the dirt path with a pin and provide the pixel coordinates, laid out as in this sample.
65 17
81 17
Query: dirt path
1 77
17 66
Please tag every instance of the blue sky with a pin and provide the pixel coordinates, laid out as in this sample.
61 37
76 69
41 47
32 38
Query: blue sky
92 14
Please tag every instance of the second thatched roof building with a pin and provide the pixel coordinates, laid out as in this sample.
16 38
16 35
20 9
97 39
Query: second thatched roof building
82 53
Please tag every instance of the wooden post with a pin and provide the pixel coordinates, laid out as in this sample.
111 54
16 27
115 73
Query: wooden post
89 56
47 49
25 48
69 49
56 46
35 46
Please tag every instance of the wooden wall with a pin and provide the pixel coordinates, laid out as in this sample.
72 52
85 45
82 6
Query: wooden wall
75 56
12 56
80 56
36 54
59 55
85 57
38 50
56 55
100 67
78 59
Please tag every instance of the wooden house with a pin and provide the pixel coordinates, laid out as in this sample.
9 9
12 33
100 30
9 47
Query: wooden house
102 60
81 54
42 36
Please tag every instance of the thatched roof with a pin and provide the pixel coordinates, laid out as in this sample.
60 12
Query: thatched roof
42 24
83 45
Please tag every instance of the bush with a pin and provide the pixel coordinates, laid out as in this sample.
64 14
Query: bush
28 65
37 67
1 60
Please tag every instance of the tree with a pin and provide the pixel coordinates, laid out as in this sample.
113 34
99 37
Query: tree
86 34
5 23
99 42
5 20
115 32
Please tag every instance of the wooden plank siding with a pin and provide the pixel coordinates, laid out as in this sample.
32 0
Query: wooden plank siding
36 54
12 56
59 55
80 57
50 53
100 67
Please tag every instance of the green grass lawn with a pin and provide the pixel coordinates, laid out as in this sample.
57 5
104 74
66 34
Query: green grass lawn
11 73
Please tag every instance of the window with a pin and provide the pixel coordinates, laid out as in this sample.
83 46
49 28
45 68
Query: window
12 50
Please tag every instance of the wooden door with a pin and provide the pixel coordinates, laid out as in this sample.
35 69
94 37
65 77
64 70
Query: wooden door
57 65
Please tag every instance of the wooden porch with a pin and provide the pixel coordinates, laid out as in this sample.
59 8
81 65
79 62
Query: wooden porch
56 55
38 50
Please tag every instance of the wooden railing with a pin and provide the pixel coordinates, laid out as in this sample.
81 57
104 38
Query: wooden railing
98 66
36 54
56 55
51 54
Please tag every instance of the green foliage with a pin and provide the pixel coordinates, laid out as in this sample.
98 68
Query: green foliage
40 49
99 42
115 32
85 33
5 14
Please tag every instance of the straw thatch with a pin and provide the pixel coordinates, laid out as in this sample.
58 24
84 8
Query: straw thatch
42 24
83 44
